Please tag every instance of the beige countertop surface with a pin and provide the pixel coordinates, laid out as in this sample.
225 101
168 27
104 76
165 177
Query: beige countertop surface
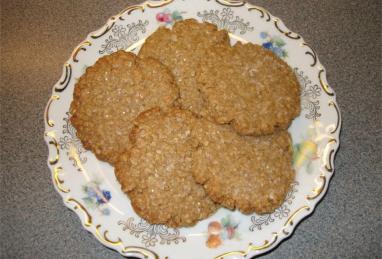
38 36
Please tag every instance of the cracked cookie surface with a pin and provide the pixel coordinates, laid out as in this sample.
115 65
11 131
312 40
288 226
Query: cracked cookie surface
156 172
111 94
181 49
252 174
249 87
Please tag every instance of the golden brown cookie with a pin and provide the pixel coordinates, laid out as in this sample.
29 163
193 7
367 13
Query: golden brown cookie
249 87
181 49
111 94
156 172
252 174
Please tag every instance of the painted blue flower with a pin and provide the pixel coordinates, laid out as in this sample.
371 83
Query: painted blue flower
268 45
275 44
263 35
96 197
100 200
106 194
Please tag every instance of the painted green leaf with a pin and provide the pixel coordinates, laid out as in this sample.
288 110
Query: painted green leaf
176 15
279 42
89 202
285 54
225 221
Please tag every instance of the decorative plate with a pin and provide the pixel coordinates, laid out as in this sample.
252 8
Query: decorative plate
89 187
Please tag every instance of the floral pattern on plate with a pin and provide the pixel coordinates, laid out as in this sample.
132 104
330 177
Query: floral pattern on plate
72 144
310 95
151 234
96 198
225 20
123 36
305 152
275 44
168 17
226 229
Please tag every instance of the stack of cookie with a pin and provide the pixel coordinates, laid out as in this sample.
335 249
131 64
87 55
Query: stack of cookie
191 123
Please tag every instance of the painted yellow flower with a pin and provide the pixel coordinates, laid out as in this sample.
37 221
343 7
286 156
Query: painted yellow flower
304 153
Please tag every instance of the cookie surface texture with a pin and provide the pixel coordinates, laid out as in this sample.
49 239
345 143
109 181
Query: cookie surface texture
156 173
181 49
252 174
250 87
111 94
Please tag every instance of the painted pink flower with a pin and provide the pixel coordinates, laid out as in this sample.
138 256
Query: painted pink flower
230 232
223 230
160 17
167 18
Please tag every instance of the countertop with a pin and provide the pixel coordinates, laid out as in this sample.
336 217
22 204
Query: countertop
38 36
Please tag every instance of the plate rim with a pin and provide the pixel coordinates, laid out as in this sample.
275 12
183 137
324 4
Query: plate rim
292 222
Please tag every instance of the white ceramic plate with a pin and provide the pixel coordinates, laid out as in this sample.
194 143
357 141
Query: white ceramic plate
89 187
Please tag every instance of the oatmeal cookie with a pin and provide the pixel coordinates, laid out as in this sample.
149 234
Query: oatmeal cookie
111 94
181 49
252 174
248 86
156 172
